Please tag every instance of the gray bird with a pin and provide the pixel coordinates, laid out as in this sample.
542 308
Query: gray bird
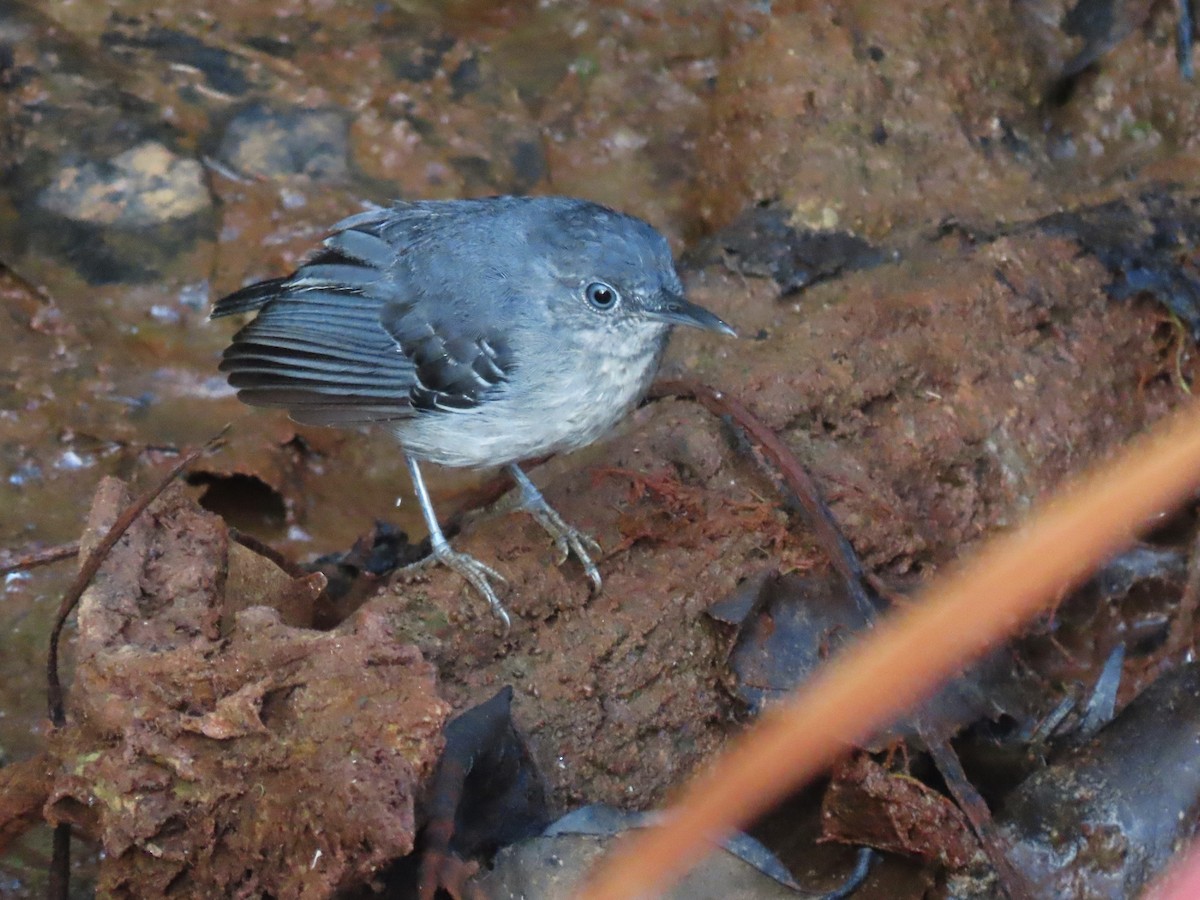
482 332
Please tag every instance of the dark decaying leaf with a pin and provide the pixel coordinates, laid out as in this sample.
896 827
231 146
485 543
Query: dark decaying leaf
761 242
787 625
487 793
1148 243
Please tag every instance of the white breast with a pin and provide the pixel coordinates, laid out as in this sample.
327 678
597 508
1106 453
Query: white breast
548 406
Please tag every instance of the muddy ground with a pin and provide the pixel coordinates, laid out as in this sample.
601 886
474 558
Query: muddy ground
958 243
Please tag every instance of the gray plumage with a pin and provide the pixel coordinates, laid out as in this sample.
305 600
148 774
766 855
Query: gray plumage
482 332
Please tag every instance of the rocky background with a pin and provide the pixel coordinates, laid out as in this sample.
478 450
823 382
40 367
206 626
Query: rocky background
959 242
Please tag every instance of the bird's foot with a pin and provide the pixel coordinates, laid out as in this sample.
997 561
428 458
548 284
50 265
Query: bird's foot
478 574
568 539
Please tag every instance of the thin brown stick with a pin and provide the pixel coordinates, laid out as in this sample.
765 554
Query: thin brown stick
969 800
265 550
58 885
1182 636
839 549
23 560
87 571
962 614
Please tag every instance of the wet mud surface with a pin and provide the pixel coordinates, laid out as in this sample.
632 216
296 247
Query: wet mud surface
959 246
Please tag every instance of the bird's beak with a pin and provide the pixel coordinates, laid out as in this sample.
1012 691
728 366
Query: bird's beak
676 310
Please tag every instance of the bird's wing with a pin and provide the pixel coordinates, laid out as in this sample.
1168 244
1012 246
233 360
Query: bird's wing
317 347
455 366
339 343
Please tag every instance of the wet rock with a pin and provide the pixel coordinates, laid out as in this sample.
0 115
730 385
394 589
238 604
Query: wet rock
555 864
100 183
1148 243
1101 821
144 186
272 760
223 72
274 143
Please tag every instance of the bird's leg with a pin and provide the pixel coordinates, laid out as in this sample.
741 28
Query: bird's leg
567 538
477 573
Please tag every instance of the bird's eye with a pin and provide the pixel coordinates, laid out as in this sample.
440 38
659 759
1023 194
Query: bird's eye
601 296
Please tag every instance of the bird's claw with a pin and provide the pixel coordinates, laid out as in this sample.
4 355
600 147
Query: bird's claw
478 574
567 540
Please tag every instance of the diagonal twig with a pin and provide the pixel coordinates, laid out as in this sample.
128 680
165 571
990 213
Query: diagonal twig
995 846
1182 636
841 553
24 560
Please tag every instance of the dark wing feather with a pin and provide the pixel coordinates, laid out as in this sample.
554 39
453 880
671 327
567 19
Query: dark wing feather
335 345
248 299
453 368
316 347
